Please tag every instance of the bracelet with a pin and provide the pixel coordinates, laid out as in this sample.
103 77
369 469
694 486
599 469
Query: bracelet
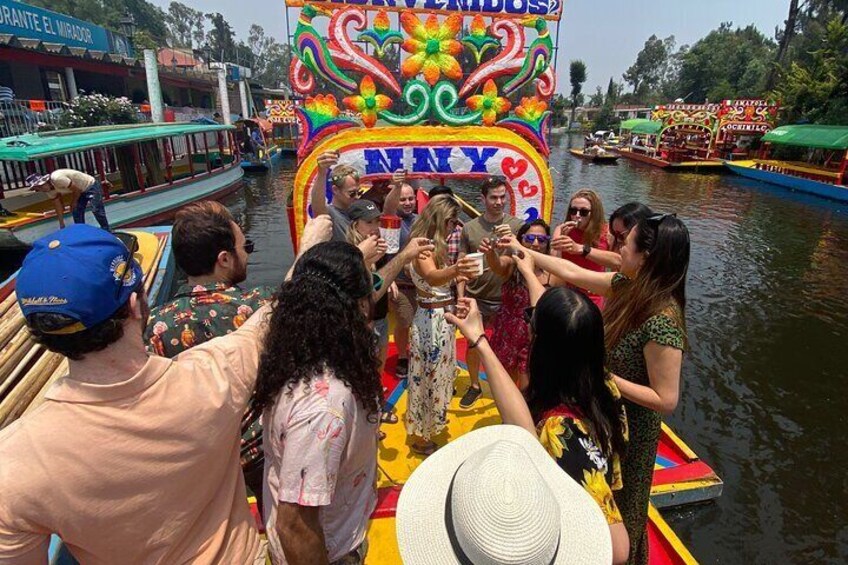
479 339
586 249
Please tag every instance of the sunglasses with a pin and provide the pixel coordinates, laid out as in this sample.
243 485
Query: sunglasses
130 241
533 238
658 218
620 237
249 246
528 314
582 212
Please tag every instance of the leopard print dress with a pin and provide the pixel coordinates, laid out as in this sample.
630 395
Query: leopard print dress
627 360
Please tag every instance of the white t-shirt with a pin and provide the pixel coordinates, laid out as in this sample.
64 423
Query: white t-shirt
68 181
321 450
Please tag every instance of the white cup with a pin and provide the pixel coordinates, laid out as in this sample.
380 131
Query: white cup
392 237
478 258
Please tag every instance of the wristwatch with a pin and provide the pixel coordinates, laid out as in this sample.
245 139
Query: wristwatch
586 249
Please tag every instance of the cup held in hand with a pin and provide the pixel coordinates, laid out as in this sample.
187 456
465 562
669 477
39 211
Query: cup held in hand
390 231
479 259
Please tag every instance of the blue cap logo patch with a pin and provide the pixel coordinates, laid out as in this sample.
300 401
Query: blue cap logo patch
118 268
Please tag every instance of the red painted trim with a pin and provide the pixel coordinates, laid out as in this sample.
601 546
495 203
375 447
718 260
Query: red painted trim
33 58
387 499
695 471
7 289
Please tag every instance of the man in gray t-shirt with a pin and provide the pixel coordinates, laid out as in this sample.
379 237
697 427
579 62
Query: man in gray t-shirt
345 186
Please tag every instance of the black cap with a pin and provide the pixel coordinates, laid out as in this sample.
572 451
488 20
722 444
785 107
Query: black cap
363 210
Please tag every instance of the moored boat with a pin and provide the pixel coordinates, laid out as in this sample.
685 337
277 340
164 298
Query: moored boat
153 170
257 158
602 157
823 171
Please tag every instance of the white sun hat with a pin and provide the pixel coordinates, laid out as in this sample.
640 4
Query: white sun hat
495 497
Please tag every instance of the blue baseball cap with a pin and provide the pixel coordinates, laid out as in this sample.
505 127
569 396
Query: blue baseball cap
80 272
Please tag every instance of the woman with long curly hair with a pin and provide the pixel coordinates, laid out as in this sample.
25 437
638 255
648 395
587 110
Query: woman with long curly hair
645 335
432 355
319 390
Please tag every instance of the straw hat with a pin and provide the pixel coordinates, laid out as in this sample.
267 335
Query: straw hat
495 497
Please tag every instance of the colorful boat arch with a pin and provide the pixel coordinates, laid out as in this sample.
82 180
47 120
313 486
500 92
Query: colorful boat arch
436 152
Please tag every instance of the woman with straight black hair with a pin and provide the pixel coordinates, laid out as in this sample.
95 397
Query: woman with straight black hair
571 405
645 335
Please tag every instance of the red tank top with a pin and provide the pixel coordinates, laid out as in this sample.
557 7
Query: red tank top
580 261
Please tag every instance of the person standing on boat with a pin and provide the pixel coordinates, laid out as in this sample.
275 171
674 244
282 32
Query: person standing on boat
432 355
621 221
319 390
132 458
584 238
510 338
404 303
210 247
645 335
83 189
344 181
486 289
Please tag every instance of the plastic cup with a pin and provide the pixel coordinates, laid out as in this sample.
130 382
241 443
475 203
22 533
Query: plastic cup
478 258
390 231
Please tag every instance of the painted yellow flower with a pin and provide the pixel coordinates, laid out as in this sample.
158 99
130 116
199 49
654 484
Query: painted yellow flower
489 103
549 436
531 109
433 47
324 105
596 485
368 103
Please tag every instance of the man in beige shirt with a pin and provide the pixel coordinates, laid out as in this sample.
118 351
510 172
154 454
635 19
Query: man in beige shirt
83 189
131 459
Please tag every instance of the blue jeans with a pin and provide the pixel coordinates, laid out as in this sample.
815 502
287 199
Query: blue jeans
93 195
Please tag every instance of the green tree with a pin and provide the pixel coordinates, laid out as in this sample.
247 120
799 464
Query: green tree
577 76
220 38
185 26
651 68
558 106
271 59
597 99
727 63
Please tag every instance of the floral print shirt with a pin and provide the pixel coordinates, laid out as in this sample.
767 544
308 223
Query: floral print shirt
198 314
569 438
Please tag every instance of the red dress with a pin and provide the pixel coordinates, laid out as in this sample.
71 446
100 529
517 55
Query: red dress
510 334
603 244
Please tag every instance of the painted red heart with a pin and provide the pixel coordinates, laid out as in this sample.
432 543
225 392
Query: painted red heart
526 189
513 169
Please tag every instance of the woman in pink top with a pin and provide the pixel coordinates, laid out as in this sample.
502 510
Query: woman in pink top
584 238
319 389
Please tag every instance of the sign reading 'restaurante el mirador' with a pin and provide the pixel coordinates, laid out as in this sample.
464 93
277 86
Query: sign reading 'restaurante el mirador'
24 21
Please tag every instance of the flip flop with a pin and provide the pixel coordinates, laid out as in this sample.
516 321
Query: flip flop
389 418
430 449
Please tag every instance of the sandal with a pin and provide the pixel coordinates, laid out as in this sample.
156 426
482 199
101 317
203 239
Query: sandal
426 449
381 435
389 418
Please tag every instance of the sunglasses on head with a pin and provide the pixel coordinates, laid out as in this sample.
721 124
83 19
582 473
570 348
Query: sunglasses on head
533 238
582 212
658 218
131 243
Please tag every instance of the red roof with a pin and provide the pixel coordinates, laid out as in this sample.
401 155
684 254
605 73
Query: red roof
168 56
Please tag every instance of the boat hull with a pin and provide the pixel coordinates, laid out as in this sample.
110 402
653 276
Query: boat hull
262 165
825 190
600 159
708 166
136 209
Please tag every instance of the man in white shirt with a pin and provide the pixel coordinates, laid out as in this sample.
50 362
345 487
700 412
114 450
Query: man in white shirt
83 189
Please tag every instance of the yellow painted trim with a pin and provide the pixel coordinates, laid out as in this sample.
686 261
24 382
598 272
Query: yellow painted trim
667 533
684 486
687 451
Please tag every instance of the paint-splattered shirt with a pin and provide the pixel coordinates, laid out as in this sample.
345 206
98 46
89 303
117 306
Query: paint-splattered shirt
198 314
321 450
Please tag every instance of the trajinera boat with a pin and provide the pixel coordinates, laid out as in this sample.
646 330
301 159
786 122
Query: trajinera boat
595 155
806 158
414 127
153 169
256 157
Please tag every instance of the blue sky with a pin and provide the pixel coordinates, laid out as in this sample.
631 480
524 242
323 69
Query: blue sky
607 35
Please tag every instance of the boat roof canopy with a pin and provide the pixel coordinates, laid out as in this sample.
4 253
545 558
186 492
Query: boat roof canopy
33 146
818 136
642 126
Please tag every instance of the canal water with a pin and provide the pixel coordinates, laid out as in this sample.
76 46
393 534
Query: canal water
765 383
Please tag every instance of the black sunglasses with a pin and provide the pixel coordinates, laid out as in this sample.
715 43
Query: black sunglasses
130 241
249 246
658 218
620 236
528 314
582 212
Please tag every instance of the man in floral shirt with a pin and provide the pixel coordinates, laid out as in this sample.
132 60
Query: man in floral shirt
211 249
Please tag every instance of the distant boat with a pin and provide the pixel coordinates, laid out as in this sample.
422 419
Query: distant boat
605 157
154 169
255 158
824 173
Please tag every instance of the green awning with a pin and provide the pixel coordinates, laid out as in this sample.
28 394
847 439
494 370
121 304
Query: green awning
821 137
646 127
32 146
631 123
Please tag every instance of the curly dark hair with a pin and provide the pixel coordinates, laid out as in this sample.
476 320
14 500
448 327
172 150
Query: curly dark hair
317 323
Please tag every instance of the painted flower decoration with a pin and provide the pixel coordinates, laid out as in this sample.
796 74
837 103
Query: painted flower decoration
531 109
368 103
489 103
433 47
322 105
381 34
478 40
